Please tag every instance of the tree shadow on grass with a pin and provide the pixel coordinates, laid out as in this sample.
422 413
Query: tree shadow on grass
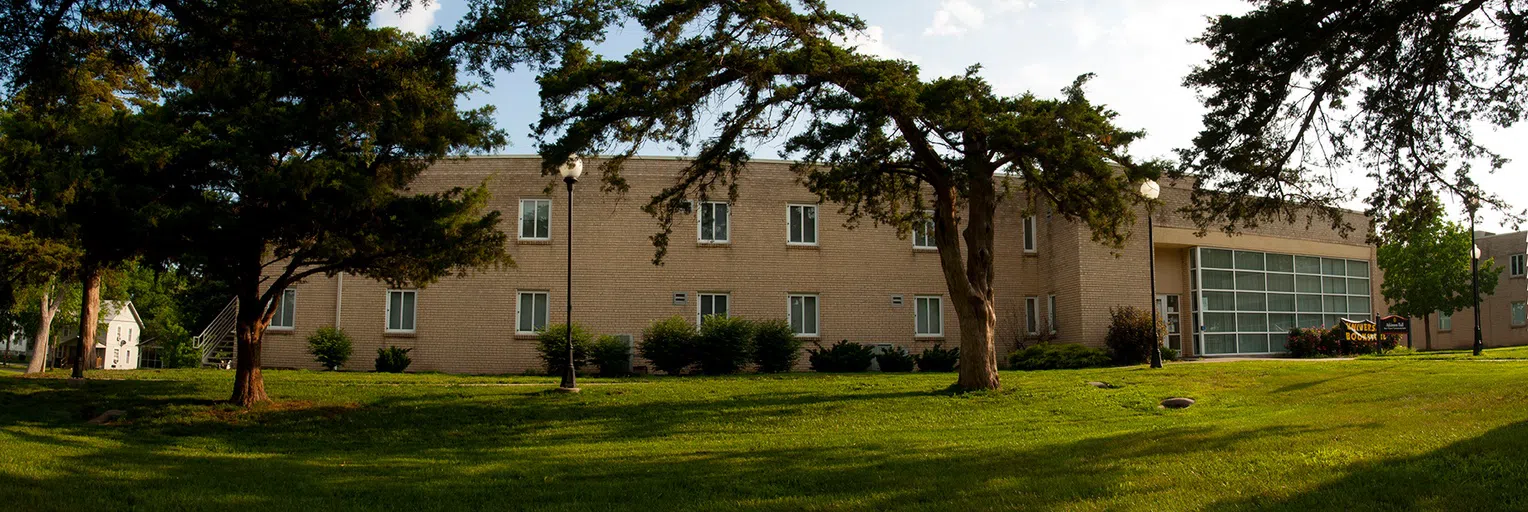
1489 472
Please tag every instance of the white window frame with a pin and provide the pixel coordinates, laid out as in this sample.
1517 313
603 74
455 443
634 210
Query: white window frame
387 316
700 304
1512 308
1050 313
1516 264
816 307
520 303
291 320
925 232
790 216
938 324
1032 315
521 220
700 216
1445 321
1031 238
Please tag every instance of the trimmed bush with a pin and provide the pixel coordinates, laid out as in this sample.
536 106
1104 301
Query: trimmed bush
938 359
669 344
1314 342
896 360
725 345
1170 354
330 347
612 356
775 347
552 344
1130 337
1057 356
843 357
393 359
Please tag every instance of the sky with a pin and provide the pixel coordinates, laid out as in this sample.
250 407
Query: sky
1139 51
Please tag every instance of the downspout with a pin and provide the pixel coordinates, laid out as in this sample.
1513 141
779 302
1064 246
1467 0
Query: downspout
339 297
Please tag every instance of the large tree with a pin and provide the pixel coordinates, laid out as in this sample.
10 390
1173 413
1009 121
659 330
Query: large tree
873 136
1426 260
1297 91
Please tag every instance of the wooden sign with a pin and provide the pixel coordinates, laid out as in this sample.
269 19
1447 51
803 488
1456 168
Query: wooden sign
1394 324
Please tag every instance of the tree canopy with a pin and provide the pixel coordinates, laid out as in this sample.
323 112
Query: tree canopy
870 134
1426 260
1297 91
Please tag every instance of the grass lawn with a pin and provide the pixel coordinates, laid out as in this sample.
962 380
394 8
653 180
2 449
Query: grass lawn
1380 434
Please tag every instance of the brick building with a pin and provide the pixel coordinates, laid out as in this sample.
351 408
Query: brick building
1504 314
776 253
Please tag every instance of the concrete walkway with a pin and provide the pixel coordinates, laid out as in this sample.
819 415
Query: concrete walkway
1234 359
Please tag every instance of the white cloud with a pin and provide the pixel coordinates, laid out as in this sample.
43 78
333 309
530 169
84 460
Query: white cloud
954 18
872 41
1012 5
418 20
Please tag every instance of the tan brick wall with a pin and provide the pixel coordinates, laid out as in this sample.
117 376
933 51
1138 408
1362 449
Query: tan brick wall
466 324
1496 320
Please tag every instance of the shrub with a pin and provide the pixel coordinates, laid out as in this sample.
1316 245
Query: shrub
178 350
1321 341
612 356
330 347
725 345
669 344
1130 336
844 356
896 360
552 344
1058 356
938 359
1170 354
1388 342
393 359
775 347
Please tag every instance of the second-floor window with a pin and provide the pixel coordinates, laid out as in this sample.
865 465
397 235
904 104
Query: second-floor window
802 224
1031 244
923 233
714 217
1516 265
535 219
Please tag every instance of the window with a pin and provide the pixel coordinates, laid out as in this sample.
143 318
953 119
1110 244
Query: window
1519 314
286 311
531 312
1030 244
535 219
802 220
803 315
1050 313
1032 315
713 222
1445 321
929 319
400 310
1250 299
711 304
1516 265
923 233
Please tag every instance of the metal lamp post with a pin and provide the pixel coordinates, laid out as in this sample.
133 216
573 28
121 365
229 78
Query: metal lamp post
570 172
1472 203
1151 190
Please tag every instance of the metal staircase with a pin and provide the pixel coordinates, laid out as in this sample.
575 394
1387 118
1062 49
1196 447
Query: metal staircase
216 342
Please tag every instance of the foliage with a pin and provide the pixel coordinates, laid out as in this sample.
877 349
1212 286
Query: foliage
552 346
1170 354
725 344
1130 336
179 353
669 344
939 359
330 347
843 357
612 356
1426 263
775 347
875 138
1057 356
1295 90
1325 342
393 359
895 360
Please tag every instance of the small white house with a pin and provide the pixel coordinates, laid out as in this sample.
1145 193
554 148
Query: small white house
117 344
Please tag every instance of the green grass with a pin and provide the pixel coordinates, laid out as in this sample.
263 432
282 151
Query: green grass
1495 354
1373 434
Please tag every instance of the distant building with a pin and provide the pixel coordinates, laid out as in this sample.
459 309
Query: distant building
777 253
1504 314
117 338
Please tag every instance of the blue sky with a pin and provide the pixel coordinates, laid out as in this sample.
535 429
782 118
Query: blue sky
1138 49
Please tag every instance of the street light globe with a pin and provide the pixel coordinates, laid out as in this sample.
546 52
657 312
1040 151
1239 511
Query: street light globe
1150 189
573 168
1477 252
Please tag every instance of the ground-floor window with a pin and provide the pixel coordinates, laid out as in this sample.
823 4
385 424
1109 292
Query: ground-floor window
1445 321
1519 314
1032 315
929 317
803 315
1169 307
400 310
531 312
286 311
1247 301
712 304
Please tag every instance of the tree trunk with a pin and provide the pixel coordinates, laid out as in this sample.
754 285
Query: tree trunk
970 284
248 383
45 314
1427 329
90 312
